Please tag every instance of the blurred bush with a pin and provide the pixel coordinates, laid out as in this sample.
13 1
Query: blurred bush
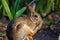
44 6
57 6
14 8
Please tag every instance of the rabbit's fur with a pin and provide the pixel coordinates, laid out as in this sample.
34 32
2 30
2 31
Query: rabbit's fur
23 28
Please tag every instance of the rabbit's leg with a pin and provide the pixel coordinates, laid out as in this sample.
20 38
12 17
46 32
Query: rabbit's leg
33 32
29 38
37 28
29 31
29 35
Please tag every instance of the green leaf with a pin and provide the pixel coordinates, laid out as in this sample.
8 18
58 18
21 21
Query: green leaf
0 7
16 5
43 6
7 9
19 12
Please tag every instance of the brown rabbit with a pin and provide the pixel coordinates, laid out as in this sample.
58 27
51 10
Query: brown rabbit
23 28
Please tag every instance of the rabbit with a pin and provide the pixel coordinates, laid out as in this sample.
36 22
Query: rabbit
23 28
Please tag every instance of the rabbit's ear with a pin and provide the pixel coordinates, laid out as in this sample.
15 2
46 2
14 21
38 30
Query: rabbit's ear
31 8
33 5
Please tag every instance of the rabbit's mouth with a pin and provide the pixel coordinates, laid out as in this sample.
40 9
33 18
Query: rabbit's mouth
34 20
37 23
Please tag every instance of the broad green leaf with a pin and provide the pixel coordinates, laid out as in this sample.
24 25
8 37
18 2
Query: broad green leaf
7 9
19 12
16 5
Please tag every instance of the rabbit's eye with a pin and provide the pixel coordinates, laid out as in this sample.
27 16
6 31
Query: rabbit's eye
35 16
18 26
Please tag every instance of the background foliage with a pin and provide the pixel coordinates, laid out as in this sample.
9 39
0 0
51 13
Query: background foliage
12 7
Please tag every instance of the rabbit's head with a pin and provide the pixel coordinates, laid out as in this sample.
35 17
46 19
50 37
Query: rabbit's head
34 16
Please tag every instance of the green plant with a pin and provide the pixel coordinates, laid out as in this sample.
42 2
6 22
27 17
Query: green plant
43 6
7 9
57 7
15 11
20 12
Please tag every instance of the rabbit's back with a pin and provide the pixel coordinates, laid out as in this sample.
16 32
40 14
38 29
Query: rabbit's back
24 20
22 25
18 27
